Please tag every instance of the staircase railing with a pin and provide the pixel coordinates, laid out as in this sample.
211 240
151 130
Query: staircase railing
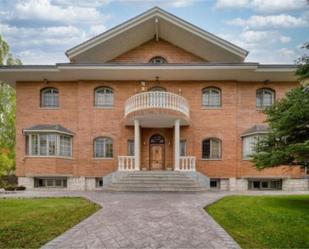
187 163
126 163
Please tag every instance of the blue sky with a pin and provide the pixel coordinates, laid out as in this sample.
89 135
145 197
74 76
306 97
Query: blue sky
40 31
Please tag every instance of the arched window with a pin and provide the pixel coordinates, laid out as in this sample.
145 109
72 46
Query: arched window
157 89
157 60
103 147
211 97
211 148
103 97
49 97
265 97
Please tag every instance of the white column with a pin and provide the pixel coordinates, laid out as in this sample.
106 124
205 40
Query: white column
137 147
177 143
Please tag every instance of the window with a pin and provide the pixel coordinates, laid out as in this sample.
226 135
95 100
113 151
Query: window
265 184
211 148
48 182
265 97
211 97
99 182
131 147
157 89
214 183
50 97
157 60
104 97
183 147
103 147
249 144
48 144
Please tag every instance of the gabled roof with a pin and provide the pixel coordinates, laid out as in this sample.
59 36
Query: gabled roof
49 128
155 23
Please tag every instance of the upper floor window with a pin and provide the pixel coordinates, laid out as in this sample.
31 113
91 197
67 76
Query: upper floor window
103 147
158 60
265 97
211 97
48 144
157 89
104 97
211 148
50 97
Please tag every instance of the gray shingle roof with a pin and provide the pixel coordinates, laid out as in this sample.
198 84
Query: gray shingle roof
255 129
53 127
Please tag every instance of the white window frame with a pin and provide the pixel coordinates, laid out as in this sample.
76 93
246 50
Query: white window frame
260 97
184 143
54 95
247 151
210 148
209 91
158 60
104 156
105 99
58 153
131 143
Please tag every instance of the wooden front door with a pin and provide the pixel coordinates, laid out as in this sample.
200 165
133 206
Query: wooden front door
157 147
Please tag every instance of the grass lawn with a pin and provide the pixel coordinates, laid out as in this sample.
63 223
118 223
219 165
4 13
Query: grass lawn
264 221
30 223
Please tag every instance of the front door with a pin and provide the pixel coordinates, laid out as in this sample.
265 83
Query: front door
157 147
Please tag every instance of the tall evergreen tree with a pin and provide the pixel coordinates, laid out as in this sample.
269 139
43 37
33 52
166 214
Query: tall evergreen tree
288 140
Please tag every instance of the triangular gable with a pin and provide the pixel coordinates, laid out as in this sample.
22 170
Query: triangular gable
145 52
155 24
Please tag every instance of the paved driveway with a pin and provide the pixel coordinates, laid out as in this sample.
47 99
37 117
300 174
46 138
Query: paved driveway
146 220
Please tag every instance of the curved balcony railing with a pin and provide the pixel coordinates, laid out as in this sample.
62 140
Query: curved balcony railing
161 100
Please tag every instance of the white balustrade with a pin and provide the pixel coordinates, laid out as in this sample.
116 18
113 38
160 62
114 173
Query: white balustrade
163 100
126 163
187 163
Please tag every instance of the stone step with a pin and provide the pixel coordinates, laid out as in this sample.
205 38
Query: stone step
128 180
155 189
156 181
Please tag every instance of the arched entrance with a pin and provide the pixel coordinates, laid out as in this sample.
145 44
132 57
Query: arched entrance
157 152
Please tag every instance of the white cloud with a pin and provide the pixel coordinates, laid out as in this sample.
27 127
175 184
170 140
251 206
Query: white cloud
263 6
81 3
274 56
264 46
45 10
228 4
40 57
274 21
163 3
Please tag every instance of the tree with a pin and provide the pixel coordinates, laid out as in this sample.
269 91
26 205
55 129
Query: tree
288 140
7 114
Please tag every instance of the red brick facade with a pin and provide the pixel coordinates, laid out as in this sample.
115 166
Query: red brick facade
78 114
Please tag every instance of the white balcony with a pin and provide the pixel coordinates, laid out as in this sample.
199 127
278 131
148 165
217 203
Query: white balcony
149 106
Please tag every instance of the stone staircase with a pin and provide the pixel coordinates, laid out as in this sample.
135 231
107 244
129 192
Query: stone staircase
159 181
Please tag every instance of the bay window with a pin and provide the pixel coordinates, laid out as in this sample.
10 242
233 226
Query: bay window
48 144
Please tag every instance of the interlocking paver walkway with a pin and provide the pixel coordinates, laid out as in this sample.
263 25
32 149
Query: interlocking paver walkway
145 220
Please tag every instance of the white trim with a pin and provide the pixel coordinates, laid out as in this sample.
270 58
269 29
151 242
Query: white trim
156 12
47 131
254 133
60 157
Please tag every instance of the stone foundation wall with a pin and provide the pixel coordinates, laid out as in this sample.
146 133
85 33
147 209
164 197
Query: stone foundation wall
295 184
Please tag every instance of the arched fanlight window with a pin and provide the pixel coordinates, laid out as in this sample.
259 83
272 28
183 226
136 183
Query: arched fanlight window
50 97
157 89
103 97
265 97
157 60
211 148
211 97
103 147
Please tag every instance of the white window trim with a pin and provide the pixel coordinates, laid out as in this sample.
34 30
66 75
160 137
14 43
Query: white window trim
57 152
253 134
210 150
